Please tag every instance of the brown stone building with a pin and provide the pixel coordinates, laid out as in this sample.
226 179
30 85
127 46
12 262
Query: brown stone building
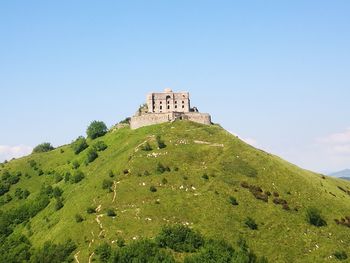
167 106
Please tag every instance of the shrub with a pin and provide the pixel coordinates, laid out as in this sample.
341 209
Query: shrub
146 147
79 145
233 200
59 204
100 146
43 147
111 174
164 181
91 155
4 188
153 189
96 129
91 210
58 178
250 222
160 142
75 164
340 255
205 177
106 184
77 177
213 251
110 212
120 242
104 252
22 194
142 251
78 218
67 177
54 253
180 238
146 173
40 172
314 217
32 163
57 192
160 168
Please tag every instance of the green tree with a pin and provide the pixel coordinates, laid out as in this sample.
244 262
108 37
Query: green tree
180 238
104 252
79 145
43 147
96 129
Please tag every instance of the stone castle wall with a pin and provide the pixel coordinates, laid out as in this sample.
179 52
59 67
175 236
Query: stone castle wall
157 118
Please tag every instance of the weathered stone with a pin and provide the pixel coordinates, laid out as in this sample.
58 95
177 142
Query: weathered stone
168 106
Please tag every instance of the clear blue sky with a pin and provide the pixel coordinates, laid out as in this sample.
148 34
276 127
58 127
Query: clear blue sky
277 73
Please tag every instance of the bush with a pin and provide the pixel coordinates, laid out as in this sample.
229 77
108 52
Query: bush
153 189
91 156
142 251
79 145
59 204
161 168
54 253
120 242
250 222
340 255
78 218
179 238
212 252
205 177
233 200
160 142
77 177
91 210
104 252
43 147
111 174
96 129
4 188
314 217
164 181
110 212
58 178
75 164
106 184
57 192
100 146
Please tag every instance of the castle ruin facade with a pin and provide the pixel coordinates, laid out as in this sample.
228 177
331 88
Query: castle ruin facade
167 106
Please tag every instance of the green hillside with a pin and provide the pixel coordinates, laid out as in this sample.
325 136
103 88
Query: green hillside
196 179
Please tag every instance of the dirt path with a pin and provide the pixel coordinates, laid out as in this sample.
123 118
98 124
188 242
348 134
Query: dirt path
115 190
90 257
76 256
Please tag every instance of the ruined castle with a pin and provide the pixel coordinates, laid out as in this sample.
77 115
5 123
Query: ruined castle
167 106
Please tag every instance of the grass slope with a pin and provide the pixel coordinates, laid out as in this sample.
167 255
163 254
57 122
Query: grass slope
185 197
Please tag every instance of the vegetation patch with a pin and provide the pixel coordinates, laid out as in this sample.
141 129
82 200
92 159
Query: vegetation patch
314 217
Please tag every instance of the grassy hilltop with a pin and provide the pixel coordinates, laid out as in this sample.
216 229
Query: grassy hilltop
202 177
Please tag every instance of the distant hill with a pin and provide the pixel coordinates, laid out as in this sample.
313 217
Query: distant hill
173 173
343 174
345 178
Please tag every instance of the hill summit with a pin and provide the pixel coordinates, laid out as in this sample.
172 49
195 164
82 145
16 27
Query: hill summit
177 191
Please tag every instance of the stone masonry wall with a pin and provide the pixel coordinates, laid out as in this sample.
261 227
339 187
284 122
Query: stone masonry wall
157 118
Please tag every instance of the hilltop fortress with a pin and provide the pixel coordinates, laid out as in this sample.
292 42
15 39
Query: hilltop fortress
167 106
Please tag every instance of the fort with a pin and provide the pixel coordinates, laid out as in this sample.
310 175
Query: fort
167 106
